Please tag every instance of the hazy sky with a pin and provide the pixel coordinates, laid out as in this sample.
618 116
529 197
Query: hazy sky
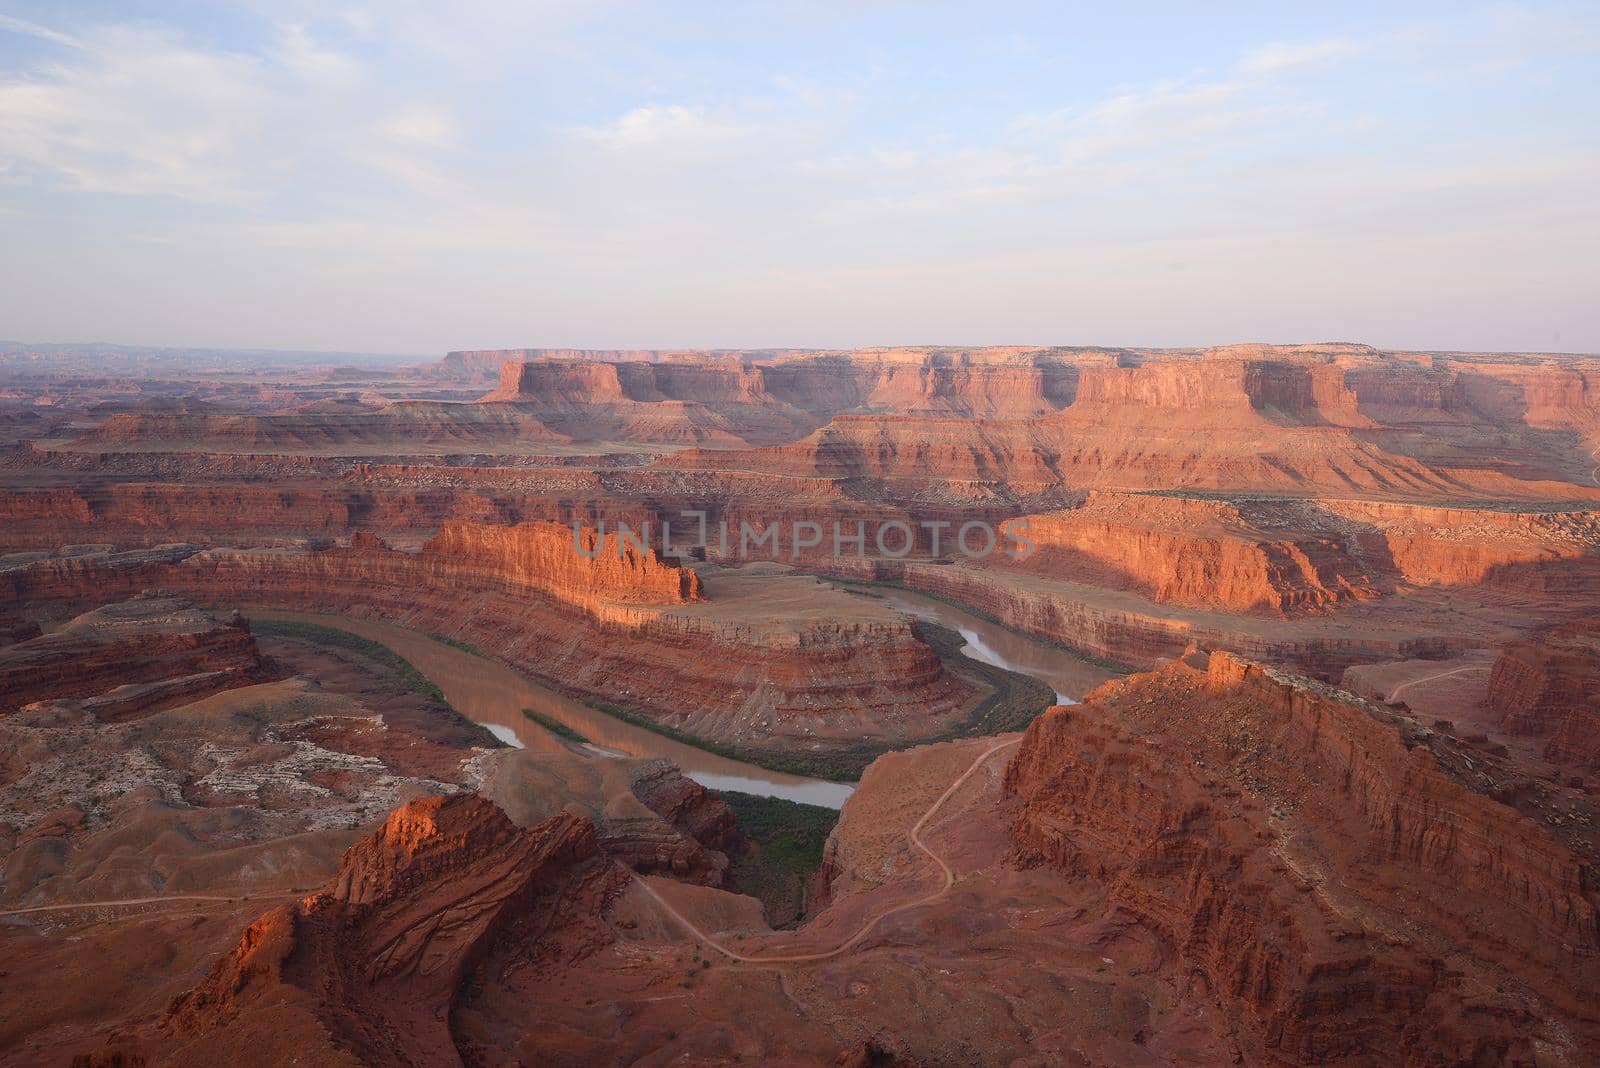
413 177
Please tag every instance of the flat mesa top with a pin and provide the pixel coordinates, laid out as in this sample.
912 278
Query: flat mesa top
776 598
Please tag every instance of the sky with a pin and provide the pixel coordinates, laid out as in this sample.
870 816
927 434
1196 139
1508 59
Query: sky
412 177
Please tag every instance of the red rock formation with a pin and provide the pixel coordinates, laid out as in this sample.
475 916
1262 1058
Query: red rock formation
162 512
1287 556
1128 629
717 401
1219 390
1545 552
277 500
1550 687
563 385
1019 453
579 568
691 840
1286 419
1204 553
1337 877
734 669
132 657
684 803
11 633
367 969
406 424
1006 383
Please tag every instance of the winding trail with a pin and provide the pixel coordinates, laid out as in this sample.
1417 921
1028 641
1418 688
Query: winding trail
1398 690
867 927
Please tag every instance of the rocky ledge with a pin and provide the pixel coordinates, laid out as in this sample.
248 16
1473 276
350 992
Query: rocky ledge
132 658
367 969
1341 881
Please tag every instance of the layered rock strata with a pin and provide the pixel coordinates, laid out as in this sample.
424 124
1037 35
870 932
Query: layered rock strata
367 969
131 657
1128 629
1287 557
778 656
1340 879
1203 553
1549 687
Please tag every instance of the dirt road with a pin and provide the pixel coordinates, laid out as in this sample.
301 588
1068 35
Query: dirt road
147 901
1404 686
867 927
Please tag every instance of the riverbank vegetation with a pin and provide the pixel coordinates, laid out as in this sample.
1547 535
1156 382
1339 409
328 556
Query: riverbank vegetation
787 844
380 655
555 727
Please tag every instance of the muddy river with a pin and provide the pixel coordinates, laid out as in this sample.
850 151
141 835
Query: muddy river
490 693
1071 677
494 695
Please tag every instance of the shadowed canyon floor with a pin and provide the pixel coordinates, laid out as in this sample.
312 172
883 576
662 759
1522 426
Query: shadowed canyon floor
340 721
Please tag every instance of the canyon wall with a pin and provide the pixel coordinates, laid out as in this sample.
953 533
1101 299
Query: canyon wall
1217 390
1355 386
403 425
1145 448
1554 552
835 669
557 386
990 383
1549 687
367 969
1337 418
1330 871
576 566
1196 552
1286 556
948 450
1129 630
133 657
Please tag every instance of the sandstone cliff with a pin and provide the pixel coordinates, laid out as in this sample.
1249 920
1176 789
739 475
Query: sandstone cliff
1550 687
1127 628
1337 877
701 827
579 568
1540 552
772 659
1287 556
1219 390
131 658
1233 556
404 424
794 388
367 969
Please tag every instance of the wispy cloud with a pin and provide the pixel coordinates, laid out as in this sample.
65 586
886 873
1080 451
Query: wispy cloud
300 52
657 125
139 114
1281 57
11 24
421 126
144 111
